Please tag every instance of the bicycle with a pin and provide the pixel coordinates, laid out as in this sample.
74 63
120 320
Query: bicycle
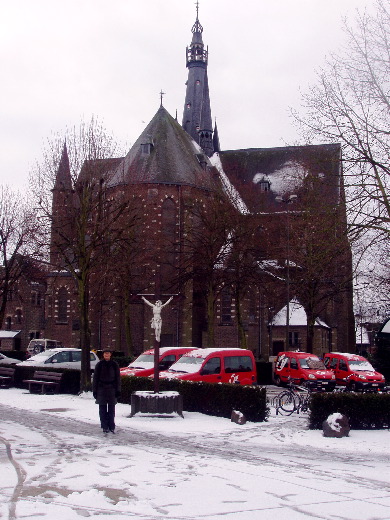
295 398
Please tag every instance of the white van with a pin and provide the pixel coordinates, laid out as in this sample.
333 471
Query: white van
39 345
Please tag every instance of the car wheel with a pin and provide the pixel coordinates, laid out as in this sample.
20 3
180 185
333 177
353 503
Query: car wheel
278 381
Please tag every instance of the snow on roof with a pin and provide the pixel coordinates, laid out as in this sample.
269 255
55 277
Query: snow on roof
228 187
386 327
204 352
7 334
297 315
287 178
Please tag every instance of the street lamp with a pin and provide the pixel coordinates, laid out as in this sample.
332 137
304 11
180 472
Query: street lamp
287 200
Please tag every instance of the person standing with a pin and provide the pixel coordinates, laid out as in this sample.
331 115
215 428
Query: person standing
106 390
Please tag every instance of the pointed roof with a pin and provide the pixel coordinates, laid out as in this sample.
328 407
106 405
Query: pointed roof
164 154
63 178
216 143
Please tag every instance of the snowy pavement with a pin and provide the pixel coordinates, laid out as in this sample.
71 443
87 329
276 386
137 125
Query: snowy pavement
56 463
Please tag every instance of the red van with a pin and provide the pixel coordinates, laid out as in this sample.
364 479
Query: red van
303 368
215 365
354 371
143 366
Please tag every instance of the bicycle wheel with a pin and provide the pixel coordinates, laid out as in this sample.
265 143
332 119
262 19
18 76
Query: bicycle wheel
303 403
287 402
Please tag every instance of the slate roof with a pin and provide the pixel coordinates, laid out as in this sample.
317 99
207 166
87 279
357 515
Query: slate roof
172 157
282 166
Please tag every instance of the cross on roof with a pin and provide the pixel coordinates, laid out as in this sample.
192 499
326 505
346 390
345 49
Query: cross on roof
161 97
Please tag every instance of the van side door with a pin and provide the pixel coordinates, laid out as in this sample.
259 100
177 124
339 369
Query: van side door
295 368
333 364
342 372
210 371
238 369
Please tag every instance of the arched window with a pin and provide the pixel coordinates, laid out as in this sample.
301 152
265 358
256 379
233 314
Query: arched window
18 316
168 236
8 323
63 305
226 305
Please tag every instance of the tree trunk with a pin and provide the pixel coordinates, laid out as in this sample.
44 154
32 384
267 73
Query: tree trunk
210 318
242 339
128 335
85 338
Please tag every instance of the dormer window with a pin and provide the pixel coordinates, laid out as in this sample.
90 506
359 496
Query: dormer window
146 148
262 181
265 185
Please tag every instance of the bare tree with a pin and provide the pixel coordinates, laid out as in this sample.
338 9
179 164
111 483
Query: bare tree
85 220
206 249
350 104
19 231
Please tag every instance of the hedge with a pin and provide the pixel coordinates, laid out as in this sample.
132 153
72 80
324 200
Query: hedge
208 398
364 411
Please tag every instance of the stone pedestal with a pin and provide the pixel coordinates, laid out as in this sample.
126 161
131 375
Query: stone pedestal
157 403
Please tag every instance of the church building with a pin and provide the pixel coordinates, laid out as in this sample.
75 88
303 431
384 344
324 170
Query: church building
239 238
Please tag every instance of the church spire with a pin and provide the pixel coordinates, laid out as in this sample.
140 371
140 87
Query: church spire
197 111
63 178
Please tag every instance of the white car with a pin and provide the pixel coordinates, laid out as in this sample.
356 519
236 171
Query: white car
5 360
59 358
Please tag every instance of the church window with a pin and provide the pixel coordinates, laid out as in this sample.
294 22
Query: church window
18 316
188 106
8 323
63 305
168 244
197 82
226 305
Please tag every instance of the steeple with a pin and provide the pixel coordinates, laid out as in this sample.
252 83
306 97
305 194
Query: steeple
63 179
197 112
216 145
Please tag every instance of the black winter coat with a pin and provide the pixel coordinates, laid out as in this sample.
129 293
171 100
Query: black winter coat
106 382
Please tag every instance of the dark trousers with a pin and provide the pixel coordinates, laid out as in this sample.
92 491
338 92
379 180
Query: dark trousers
107 416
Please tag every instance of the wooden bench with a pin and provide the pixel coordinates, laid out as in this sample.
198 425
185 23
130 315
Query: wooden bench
44 382
7 375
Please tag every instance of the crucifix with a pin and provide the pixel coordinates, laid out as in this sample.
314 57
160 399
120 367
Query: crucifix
156 324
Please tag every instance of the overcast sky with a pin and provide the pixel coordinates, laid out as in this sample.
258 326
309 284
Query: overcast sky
62 62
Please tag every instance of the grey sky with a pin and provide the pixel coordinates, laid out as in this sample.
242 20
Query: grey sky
66 61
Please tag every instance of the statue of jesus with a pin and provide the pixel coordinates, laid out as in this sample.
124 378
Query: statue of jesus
156 321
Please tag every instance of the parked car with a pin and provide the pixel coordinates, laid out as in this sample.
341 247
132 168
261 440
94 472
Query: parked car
215 365
5 360
354 371
59 358
39 345
144 364
303 368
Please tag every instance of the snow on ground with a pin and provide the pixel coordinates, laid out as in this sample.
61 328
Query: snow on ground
56 462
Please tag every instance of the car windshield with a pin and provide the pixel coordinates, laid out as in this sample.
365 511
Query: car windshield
143 361
187 365
312 363
360 365
41 356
